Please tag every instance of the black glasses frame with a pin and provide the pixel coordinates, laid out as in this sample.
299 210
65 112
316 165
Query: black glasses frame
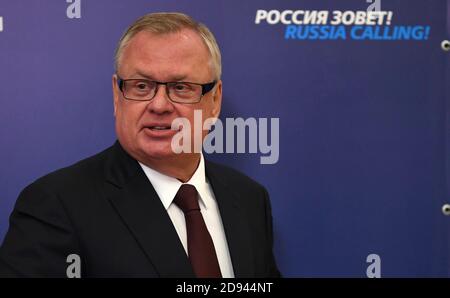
205 89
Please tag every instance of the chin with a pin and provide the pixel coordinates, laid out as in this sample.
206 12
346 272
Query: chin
155 154
156 150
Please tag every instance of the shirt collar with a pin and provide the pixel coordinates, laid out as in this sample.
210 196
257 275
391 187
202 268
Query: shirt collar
167 187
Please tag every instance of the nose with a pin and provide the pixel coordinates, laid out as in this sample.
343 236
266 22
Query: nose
160 104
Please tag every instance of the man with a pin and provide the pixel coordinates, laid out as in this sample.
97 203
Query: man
138 209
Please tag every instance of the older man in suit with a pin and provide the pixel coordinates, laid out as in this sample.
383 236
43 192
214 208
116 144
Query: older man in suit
138 209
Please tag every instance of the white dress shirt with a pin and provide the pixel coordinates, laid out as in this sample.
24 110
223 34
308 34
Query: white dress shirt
166 187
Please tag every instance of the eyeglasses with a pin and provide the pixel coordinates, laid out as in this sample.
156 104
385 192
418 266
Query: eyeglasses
179 92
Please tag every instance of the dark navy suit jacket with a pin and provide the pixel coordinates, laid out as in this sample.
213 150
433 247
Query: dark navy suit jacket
105 210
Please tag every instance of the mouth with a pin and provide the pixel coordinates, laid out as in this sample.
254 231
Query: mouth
158 128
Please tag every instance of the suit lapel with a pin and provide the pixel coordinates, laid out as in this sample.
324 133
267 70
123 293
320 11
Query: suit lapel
138 205
140 208
235 224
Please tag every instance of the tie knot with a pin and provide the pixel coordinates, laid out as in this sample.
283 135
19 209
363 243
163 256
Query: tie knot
186 198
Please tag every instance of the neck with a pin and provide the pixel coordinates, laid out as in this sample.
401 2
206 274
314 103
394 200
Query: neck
181 167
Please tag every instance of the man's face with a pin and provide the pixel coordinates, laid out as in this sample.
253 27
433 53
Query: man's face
180 56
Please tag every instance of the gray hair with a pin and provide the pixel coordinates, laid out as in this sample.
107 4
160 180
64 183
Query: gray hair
171 22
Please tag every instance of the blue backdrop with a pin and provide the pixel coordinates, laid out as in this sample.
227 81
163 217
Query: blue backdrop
364 124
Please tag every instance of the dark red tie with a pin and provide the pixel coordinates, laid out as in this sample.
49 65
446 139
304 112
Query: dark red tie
202 254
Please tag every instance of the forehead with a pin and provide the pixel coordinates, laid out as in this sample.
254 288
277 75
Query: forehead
162 56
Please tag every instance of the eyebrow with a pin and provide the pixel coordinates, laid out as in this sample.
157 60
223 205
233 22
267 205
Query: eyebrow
174 78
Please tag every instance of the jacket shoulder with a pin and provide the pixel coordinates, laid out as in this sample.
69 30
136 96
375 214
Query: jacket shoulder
81 173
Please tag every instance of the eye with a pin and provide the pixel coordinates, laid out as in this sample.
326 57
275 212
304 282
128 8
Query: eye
141 85
182 87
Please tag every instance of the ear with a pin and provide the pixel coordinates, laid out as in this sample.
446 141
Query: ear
116 92
217 100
